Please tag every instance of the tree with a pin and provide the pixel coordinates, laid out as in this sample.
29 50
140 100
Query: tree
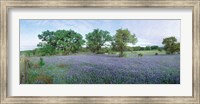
69 40
122 37
48 44
154 47
45 49
148 48
178 47
160 49
170 45
48 37
137 48
113 45
96 39
64 40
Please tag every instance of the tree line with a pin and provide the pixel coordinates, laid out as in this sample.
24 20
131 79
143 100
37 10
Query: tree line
68 41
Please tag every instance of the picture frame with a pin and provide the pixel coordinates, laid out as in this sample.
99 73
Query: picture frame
7 4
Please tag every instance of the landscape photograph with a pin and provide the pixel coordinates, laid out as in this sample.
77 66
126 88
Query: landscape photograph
99 51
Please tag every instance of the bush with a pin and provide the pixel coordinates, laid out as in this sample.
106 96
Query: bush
128 48
108 50
59 52
156 53
45 50
41 62
28 54
84 50
39 52
66 52
140 54
101 51
160 49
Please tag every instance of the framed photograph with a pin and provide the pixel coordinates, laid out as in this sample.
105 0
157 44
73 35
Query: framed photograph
100 51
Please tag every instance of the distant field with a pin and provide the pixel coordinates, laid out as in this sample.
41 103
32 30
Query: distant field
151 52
105 69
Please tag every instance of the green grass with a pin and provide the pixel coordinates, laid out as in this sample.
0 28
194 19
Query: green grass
145 52
46 74
29 53
150 52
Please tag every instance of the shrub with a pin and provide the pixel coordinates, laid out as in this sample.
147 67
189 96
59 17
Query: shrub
160 49
34 52
67 51
28 54
101 51
39 52
108 50
41 62
156 53
140 54
59 52
84 50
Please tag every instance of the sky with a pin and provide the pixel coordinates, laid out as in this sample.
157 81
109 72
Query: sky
148 32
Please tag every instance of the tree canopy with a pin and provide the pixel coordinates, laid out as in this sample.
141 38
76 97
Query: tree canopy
64 40
171 45
96 39
121 38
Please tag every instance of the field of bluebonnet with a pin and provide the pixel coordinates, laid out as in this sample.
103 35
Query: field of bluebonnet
105 69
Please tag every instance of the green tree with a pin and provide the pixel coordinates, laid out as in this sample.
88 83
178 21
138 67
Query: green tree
96 39
122 37
45 49
65 40
178 47
160 49
170 45
48 37
148 48
154 47
69 41
48 44
113 45
136 48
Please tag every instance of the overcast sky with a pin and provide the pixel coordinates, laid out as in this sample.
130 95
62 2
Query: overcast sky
148 32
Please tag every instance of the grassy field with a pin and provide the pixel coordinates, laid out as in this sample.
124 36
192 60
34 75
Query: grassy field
151 52
102 69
